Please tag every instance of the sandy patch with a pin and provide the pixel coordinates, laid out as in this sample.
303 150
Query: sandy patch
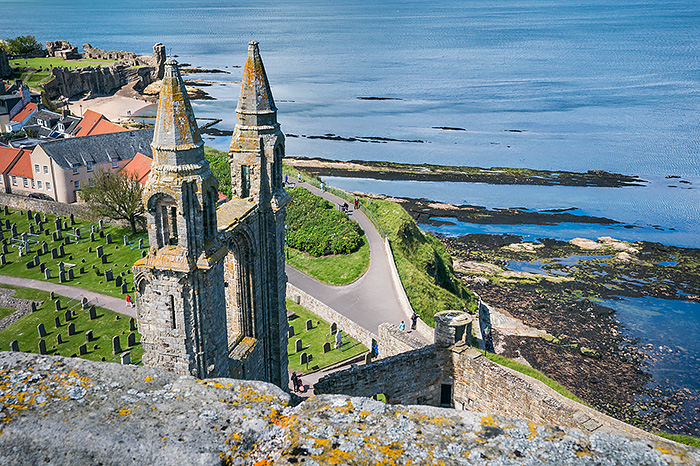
114 107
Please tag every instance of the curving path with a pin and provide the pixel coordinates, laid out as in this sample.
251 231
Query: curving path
102 300
370 300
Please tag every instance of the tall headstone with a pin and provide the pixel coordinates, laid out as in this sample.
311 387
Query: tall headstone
68 315
108 238
3 260
72 219
126 240
100 251
131 340
71 274
76 232
59 339
88 336
82 349
334 328
92 313
92 236
298 346
124 289
54 253
29 215
61 267
42 347
61 277
13 230
61 251
303 359
14 344
326 347
41 330
37 219
44 247
116 345
71 329
47 273
57 224
57 322
109 275
309 325
132 324
140 243
33 306
57 302
118 281
290 333
126 357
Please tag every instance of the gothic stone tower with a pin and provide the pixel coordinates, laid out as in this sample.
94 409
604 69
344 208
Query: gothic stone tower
211 291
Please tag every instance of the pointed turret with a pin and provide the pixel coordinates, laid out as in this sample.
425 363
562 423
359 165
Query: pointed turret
176 132
181 192
256 119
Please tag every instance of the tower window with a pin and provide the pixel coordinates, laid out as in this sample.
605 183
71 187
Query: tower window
245 181
173 231
173 322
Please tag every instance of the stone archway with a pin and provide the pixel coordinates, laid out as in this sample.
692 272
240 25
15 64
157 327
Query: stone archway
240 298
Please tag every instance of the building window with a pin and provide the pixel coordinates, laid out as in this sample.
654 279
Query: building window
26 182
46 170
77 185
91 182
14 180
89 166
32 183
76 170
38 184
245 181
37 168
115 162
48 186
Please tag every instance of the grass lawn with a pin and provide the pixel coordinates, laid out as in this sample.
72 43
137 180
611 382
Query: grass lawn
5 311
119 257
313 340
48 62
339 269
107 325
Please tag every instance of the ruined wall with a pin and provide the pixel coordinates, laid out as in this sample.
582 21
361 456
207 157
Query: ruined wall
66 411
393 341
126 58
5 69
61 49
93 80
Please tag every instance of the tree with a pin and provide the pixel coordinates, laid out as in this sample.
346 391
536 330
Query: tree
22 44
116 196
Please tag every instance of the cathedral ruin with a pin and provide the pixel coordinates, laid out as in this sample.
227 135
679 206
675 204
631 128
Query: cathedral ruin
211 290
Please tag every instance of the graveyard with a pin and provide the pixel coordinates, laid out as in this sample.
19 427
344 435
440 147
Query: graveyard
68 250
69 327
313 337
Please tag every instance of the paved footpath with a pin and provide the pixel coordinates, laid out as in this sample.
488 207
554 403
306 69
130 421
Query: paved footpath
372 299
108 302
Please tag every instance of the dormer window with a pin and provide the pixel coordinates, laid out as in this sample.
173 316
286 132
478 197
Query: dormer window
115 162
76 169
89 166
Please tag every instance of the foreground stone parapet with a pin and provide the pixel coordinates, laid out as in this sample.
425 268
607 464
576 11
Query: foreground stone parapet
67 411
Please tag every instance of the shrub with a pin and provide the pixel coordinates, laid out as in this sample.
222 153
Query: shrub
316 227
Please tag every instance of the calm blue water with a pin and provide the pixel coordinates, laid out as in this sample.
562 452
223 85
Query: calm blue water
590 84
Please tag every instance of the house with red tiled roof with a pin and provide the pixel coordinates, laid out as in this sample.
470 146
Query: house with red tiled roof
8 157
22 118
16 166
139 166
94 123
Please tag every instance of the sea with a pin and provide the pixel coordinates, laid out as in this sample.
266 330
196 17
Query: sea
545 84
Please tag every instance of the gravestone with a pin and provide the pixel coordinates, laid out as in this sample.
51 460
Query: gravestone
6 211
66 240
37 219
7 224
131 340
126 357
2 235
29 215
116 346
47 273
59 339
368 358
71 329
144 253
101 223
54 253
42 347
27 248
88 336
37 261
14 344
61 277
125 288
61 251
29 264
57 322
68 315
76 232
132 325
57 224
47 232
82 270
92 313
71 274
102 234
126 240
109 275
108 238
92 237
140 243
24 237
72 219
57 302
100 251
326 347
291 331
13 230
20 252
84 303
82 349
44 247
31 229
304 359
309 325
65 226
33 306
61 267
3 260
41 330
298 345
4 249
104 259
118 281
52 295
334 328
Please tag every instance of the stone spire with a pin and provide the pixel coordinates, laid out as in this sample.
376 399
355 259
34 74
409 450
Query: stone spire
176 137
256 120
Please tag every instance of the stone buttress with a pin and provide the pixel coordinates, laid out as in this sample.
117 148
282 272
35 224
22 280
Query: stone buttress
180 289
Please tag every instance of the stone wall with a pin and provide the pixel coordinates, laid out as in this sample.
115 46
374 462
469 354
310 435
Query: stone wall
5 69
61 49
392 341
330 315
66 411
38 205
93 80
126 58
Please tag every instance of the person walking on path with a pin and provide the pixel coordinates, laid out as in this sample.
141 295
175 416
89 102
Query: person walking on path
129 302
402 325
414 320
